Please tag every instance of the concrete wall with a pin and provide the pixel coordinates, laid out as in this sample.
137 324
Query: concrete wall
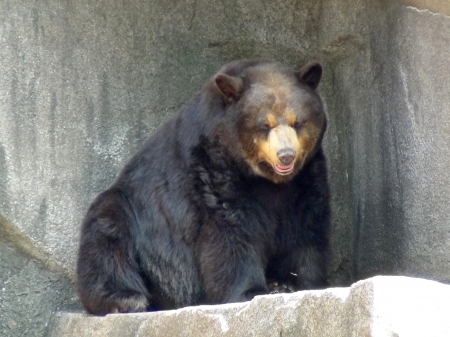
83 83
389 142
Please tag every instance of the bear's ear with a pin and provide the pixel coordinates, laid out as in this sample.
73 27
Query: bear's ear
230 87
310 74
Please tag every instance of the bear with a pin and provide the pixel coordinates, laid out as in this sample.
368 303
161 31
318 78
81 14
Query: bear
227 200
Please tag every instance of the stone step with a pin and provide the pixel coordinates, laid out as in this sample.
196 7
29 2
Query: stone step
379 306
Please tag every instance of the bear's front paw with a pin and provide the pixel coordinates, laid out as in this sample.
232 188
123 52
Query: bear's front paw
279 288
136 303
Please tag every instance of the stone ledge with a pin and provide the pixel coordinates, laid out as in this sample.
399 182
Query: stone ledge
380 306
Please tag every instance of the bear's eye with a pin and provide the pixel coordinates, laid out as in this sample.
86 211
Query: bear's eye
265 127
297 125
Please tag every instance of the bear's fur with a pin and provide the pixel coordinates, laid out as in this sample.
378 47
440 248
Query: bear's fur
227 197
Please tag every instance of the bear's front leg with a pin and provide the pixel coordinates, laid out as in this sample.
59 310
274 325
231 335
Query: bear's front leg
230 265
310 268
311 224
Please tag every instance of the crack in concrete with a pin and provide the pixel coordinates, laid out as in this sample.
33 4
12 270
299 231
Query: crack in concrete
428 11
194 14
11 235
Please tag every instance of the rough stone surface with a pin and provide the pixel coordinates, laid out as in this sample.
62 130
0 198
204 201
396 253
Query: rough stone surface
83 83
32 287
396 130
377 307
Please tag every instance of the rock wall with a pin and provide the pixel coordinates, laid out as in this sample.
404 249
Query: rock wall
32 287
83 83
403 185
389 143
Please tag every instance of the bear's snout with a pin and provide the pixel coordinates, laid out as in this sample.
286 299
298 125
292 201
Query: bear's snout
286 156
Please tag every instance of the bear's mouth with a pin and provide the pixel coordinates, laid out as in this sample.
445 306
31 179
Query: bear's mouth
283 169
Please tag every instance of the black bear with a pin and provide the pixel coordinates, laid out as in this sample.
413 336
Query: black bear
225 200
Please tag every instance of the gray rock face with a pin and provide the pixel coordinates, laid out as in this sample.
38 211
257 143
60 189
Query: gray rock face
401 140
83 83
388 140
32 286
377 307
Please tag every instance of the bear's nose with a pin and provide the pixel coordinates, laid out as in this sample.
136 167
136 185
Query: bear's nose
286 156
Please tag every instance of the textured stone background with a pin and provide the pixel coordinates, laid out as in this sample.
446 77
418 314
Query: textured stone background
83 83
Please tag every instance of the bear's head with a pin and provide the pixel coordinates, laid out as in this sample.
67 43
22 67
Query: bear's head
274 120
